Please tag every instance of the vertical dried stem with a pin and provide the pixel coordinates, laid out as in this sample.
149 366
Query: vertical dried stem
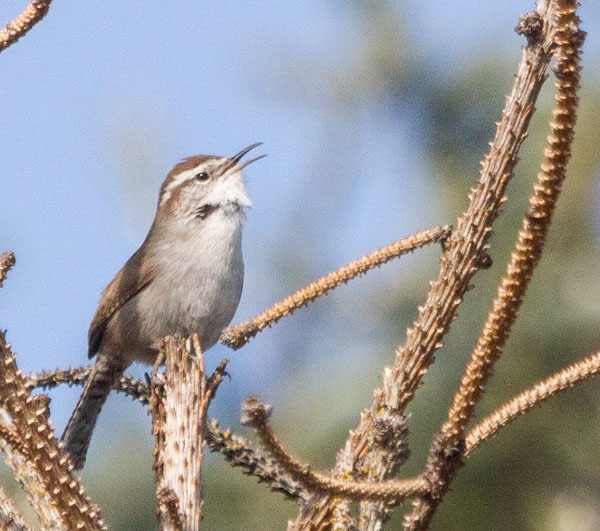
19 26
32 452
464 252
523 260
180 425
532 235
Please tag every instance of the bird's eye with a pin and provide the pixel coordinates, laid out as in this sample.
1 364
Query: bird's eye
202 176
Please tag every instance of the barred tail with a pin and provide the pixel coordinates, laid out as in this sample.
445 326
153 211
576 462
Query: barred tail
78 432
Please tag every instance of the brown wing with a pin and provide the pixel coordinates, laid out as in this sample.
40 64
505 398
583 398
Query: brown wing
128 282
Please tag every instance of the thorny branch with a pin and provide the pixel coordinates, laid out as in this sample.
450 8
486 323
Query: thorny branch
7 260
127 384
236 450
179 408
461 260
523 260
532 235
238 335
528 399
31 450
256 413
183 432
19 26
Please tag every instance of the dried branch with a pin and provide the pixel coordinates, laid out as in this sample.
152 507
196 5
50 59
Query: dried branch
19 26
29 478
37 463
524 258
237 336
134 388
390 432
156 407
465 250
532 235
180 419
238 452
527 400
7 260
256 414
10 518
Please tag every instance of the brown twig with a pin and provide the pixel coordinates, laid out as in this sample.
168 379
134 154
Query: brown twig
19 26
55 493
237 451
134 388
531 237
7 260
462 258
238 335
523 260
527 400
256 413
180 425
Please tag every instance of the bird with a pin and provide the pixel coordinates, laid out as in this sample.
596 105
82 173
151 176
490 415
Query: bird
186 278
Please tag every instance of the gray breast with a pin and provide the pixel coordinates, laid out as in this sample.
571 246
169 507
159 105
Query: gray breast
195 293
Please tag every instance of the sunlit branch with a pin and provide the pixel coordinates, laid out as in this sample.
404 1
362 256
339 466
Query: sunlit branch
20 25
527 400
238 335
256 413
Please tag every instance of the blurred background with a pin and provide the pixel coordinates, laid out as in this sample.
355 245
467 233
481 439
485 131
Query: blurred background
374 116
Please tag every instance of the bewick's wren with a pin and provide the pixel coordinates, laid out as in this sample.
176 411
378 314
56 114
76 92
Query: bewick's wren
185 278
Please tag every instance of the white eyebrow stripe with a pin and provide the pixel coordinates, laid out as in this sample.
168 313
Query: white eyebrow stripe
181 178
185 175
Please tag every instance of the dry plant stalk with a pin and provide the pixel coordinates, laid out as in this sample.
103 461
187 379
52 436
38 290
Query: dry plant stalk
7 260
32 452
133 387
238 452
20 25
377 447
180 416
462 258
527 400
532 235
238 335
10 518
523 260
18 459
256 414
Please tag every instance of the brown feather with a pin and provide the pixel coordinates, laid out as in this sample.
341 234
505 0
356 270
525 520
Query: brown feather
133 277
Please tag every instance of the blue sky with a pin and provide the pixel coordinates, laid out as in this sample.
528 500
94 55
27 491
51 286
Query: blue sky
103 98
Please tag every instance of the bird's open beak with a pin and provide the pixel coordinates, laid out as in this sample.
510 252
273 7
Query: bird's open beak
233 161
